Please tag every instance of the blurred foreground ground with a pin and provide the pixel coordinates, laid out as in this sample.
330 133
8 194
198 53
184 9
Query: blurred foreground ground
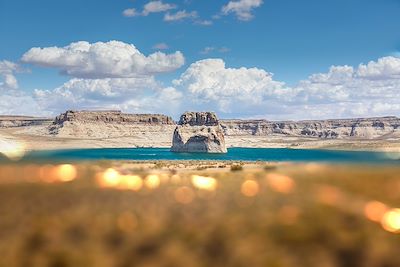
199 214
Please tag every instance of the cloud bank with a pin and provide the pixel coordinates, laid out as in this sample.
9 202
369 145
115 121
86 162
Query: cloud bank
7 78
368 90
117 75
12 100
112 59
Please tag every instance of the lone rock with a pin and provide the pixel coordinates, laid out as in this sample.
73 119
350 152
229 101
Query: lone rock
198 132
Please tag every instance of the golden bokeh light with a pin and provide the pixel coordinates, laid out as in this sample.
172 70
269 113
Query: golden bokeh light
109 178
391 221
205 183
375 210
59 173
250 188
152 181
112 178
184 195
66 172
130 182
280 183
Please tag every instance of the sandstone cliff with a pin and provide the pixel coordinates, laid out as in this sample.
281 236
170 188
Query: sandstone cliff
198 132
111 124
361 128
116 129
112 116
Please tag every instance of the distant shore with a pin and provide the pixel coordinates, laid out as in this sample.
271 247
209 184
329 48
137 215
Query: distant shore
34 141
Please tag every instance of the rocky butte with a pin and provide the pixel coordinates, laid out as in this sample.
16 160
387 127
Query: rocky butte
112 124
198 132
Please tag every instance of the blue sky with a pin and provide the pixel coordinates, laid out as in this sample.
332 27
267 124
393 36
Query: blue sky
292 39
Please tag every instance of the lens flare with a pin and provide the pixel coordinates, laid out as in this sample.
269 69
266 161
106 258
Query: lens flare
152 181
205 183
109 178
112 178
250 188
375 210
12 149
66 172
130 182
391 221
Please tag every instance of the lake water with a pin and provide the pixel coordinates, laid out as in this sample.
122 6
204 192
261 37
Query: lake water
242 154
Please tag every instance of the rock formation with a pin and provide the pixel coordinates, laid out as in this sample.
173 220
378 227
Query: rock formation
22 121
198 132
361 128
112 116
112 124
110 128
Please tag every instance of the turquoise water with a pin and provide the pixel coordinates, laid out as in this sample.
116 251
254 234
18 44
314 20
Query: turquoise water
242 154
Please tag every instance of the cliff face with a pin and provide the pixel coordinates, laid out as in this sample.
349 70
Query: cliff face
147 127
198 132
22 121
111 124
113 116
363 128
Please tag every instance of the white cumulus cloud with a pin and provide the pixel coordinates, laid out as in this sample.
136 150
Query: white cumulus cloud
343 91
113 59
209 82
14 101
130 12
384 68
156 7
20 103
7 77
94 93
242 8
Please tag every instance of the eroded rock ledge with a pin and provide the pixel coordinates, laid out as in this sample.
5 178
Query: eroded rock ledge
357 128
198 132
115 116
112 124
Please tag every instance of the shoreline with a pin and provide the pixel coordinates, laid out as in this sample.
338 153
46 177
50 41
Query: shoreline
344 149
32 139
